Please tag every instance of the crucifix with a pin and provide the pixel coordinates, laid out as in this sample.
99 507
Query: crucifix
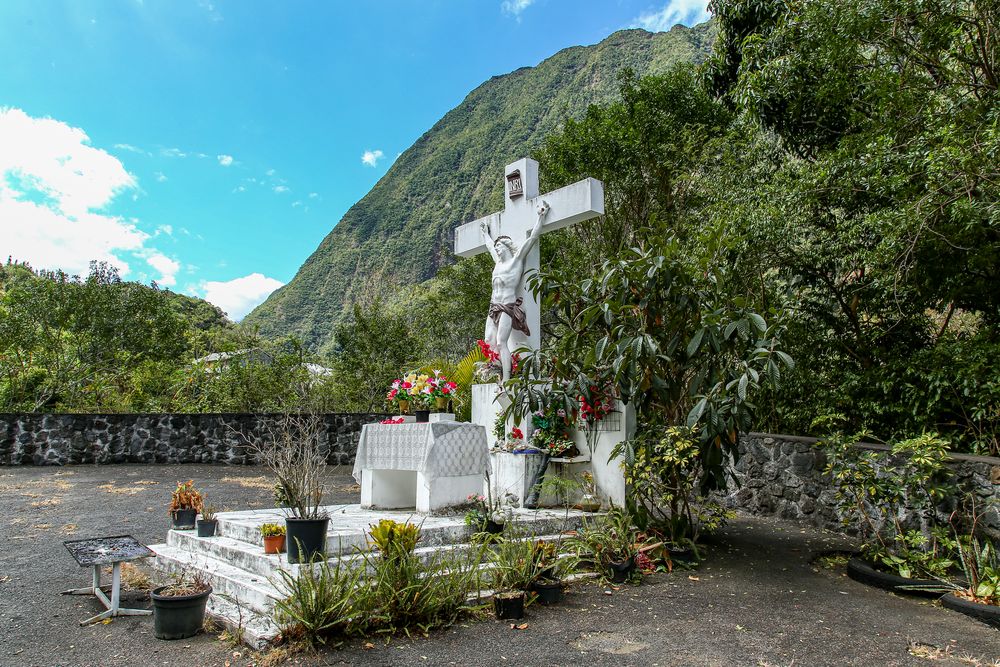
511 238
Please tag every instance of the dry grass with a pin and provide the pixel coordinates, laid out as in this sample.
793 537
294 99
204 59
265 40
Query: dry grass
135 579
51 502
250 482
931 652
68 529
42 526
112 488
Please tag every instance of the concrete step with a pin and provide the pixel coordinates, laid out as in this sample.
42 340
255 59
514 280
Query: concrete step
250 590
253 560
251 627
349 525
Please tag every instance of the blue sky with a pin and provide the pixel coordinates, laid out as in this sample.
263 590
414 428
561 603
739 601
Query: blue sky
211 144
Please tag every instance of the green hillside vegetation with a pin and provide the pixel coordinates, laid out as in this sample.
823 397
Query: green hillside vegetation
102 344
400 233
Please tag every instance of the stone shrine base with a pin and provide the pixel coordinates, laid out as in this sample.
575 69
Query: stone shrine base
246 581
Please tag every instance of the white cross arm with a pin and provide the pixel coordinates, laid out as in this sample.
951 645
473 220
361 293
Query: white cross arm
574 203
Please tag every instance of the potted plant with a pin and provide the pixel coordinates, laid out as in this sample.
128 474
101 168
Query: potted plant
514 571
274 538
550 568
207 524
609 543
484 516
185 503
398 395
443 390
179 607
290 447
589 502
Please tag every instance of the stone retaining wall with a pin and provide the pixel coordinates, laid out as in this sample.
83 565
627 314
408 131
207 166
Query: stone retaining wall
59 439
782 475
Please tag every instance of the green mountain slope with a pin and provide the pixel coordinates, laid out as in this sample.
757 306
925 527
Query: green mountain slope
401 231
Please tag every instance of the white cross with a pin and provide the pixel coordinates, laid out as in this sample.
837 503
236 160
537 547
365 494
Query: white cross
574 203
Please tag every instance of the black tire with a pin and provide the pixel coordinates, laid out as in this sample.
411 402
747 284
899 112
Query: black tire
860 571
987 613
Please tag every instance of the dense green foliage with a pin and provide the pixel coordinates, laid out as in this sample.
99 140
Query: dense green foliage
101 344
835 171
400 233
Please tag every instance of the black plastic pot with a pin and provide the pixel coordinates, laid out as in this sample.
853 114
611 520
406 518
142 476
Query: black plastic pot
492 527
987 613
622 572
423 416
548 591
859 570
509 606
184 519
683 555
305 539
178 616
207 528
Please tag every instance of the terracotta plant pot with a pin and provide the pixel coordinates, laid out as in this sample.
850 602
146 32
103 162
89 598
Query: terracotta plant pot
274 544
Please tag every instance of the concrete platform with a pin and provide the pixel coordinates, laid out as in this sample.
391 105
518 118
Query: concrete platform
246 582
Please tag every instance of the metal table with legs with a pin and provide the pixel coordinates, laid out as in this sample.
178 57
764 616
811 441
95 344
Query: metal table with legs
99 552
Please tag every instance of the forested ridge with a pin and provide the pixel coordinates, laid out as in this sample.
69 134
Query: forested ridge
400 233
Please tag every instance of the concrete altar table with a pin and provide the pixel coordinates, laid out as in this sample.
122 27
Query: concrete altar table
428 466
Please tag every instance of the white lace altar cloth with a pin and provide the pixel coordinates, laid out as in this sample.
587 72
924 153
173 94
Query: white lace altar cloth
439 449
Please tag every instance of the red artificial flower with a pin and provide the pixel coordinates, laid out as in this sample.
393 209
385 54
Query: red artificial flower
517 434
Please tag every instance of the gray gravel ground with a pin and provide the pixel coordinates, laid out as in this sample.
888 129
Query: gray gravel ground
757 601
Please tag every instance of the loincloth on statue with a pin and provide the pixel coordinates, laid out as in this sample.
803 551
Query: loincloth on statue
519 321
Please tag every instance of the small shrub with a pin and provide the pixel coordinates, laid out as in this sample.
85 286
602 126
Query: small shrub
610 538
324 600
878 492
394 539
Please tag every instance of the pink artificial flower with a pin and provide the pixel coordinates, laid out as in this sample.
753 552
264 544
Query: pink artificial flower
406 385
395 384
392 394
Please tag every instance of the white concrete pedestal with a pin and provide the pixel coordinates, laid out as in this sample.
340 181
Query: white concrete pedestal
403 489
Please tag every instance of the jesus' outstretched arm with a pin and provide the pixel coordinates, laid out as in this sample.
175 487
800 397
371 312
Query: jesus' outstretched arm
484 226
536 231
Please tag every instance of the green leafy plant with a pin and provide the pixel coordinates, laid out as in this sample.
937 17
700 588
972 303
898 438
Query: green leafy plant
515 562
272 530
663 473
877 491
394 539
407 594
605 539
324 599
208 513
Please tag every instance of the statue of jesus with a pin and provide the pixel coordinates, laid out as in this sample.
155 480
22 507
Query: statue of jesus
506 315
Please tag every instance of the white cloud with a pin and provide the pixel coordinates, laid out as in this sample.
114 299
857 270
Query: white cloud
54 187
280 189
225 160
515 7
160 176
672 13
130 148
240 188
240 295
371 158
313 195
167 267
270 172
172 152
165 229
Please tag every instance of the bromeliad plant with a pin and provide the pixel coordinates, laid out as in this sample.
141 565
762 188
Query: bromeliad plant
394 539
877 491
